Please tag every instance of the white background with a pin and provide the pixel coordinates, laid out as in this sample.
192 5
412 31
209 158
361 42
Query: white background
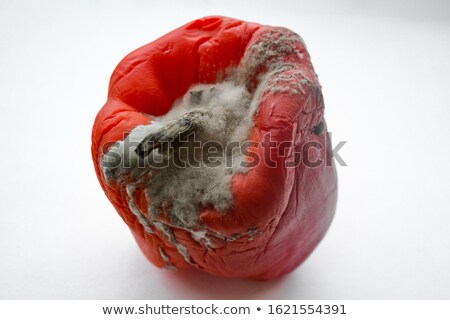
385 71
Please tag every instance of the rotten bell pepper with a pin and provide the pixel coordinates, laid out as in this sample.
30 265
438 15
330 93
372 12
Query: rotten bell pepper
212 147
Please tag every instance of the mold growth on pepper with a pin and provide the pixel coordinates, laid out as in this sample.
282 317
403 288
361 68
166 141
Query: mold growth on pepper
208 116
163 184
168 155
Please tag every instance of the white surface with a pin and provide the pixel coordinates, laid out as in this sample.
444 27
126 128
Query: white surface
385 73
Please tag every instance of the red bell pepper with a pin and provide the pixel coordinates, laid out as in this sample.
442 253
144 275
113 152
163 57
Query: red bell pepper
278 208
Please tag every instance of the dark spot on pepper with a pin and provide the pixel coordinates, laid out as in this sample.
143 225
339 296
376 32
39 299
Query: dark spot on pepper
319 128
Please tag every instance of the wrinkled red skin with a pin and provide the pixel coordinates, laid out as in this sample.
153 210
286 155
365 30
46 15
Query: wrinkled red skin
291 207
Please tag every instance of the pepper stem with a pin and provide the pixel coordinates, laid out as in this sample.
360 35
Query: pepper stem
173 132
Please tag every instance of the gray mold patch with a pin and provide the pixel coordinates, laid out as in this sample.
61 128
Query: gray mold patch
199 170
184 187
269 53
121 160
224 117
